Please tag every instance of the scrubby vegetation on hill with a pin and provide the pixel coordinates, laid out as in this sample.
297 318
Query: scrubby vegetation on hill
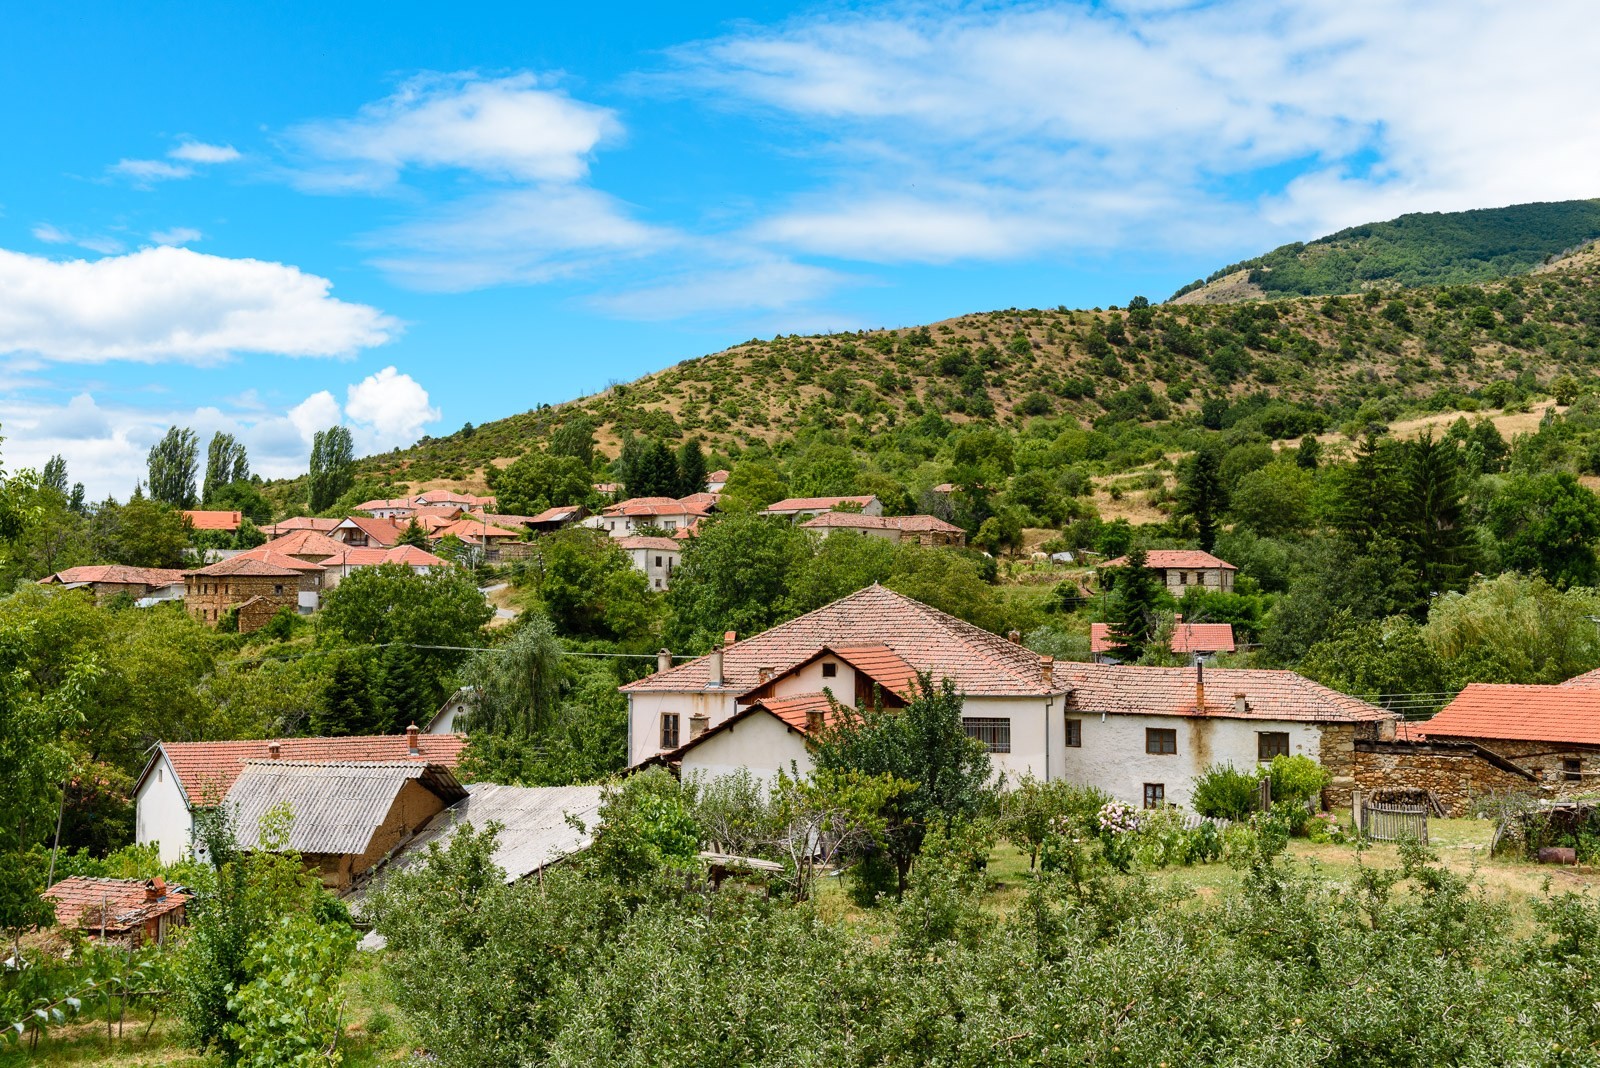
1423 248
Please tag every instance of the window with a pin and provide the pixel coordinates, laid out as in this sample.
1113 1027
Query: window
669 730
1155 794
1271 744
1074 734
1162 741
658 561
277 589
1183 578
993 731
658 584
1572 769
830 670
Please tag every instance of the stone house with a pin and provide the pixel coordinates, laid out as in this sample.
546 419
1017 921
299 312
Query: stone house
925 530
643 513
656 556
255 587
1550 732
1181 569
106 581
798 508
183 776
345 817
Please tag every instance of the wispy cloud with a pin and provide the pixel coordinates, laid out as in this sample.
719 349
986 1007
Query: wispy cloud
189 156
167 304
54 235
200 152
177 235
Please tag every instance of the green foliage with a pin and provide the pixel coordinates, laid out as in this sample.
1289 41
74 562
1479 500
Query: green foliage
517 685
1032 812
1296 780
332 471
1383 661
734 576
173 464
1225 792
590 589
141 533
226 463
538 480
1546 524
1133 608
288 1014
1513 628
392 603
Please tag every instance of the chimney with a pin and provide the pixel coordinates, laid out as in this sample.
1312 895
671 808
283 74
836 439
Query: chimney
1240 705
411 741
663 660
1047 668
1200 686
729 638
715 667
155 889
274 750
1014 637
765 674
698 724
813 720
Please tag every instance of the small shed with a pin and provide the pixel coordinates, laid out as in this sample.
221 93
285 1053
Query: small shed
132 911
346 817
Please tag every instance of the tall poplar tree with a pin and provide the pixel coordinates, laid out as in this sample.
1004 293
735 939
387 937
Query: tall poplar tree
332 467
173 464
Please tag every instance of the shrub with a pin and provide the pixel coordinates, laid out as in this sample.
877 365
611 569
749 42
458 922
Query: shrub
1297 779
288 1015
1224 792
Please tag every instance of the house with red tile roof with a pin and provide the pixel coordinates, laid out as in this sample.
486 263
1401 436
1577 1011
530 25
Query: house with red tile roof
870 642
1200 641
133 911
655 556
255 587
388 508
300 522
1181 569
362 532
763 738
716 480
200 519
182 776
924 529
105 581
1551 732
639 513
556 518
798 508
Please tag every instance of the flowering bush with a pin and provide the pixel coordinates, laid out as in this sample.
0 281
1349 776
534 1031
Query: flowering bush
1116 817
1327 827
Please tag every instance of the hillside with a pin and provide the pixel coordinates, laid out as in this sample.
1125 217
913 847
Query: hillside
1426 248
1145 376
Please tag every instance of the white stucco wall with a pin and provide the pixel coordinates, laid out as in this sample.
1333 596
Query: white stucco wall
1113 755
644 717
161 814
761 743
659 575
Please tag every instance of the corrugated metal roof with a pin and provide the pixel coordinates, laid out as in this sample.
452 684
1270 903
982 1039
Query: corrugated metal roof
534 832
337 807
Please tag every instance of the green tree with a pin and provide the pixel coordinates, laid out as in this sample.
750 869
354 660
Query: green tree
1274 501
691 468
590 589
1384 661
1546 523
1132 609
924 743
54 475
141 533
538 480
1440 539
825 471
347 706
226 463
517 686
173 465
648 468
752 486
288 1015
413 535
1515 628
574 438
734 576
332 473
1202 494
403 693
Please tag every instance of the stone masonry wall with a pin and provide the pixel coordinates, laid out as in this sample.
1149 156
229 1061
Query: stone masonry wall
1545 761
1454 772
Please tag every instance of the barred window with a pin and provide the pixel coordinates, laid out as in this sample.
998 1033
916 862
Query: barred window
1074 734
669 730
993 731
1162 741
1271 744
1155 794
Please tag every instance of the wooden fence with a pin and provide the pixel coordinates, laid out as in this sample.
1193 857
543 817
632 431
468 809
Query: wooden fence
1392 821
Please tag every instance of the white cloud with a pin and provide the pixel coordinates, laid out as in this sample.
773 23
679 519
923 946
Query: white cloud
54 235
996 132
388 409
51 235
506 128
200 152
763 284
177 235
317 412
174 305
145 171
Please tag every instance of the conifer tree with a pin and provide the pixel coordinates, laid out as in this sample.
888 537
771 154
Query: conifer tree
347 707
691 468
1201 493
1132 611
413 535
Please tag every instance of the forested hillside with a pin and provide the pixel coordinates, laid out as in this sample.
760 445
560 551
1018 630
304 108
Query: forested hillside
1424 248
1146 377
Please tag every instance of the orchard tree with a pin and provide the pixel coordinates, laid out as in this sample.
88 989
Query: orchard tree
173 464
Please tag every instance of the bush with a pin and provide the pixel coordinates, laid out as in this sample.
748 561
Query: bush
1297 779
1224 792
288 1015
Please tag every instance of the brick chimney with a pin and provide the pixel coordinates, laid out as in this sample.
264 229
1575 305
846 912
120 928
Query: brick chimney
155 889
1240 705
813 720
1047 668
699 723
714 667
1200 686
765 674
411 741
274 750
729 638
663 660
1014 637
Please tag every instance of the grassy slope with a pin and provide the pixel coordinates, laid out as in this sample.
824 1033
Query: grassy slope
1425 248
1335 353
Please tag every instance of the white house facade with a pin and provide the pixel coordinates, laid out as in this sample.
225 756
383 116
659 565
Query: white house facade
656 557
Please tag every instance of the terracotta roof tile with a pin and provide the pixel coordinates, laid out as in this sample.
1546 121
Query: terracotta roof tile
409 555
978 662
284 560
849 521
1280 695
648 506
795 710
1186 638
252 565
1586 680
703 502
300 522
125 903
206 770
920 524
387 504
470 529
1564 713
382 531
212 520
305 543
717 476
558 515
1162 559
807 504
642 542
118 574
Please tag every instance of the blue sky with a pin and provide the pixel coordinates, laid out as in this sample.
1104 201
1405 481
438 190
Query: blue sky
266 218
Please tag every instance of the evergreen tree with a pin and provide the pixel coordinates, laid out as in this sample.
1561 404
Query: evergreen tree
691 468
54 475
1309 454
1440 540
1367 503
77 502
173 463
405 693
1131 614
347 707
226 463
1201 492
648 469
413 535
332 467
